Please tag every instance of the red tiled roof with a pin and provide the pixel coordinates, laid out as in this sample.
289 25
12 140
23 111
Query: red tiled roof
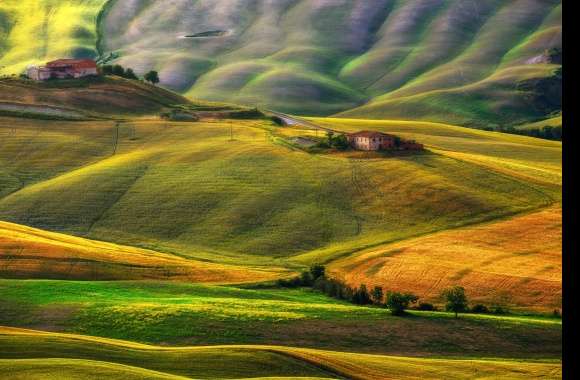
77 63
370 134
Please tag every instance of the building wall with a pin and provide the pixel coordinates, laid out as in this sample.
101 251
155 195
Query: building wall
45 73
370 143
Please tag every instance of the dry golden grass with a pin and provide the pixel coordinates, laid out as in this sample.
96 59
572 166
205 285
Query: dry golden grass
32 253
518 258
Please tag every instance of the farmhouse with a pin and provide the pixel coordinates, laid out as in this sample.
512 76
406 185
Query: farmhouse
372 140
63 69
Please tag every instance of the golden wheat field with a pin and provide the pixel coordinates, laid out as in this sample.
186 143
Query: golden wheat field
519 257
27 252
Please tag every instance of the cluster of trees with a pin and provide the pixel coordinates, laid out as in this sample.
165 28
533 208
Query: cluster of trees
547 132
397 302
339 142
128 73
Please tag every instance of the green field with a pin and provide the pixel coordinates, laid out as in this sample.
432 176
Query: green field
118 359
186 314
132 247
455 61
186 189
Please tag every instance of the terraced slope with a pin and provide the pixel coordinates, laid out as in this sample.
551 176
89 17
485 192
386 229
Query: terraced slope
239 361
31 253
457 61
185 188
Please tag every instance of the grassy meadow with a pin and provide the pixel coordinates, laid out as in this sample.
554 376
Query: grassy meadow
187 189
187 314
449 61
32 253
119 358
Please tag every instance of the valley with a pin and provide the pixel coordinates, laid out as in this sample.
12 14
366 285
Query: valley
290 189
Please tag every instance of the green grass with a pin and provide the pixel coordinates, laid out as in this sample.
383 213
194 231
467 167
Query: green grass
185 188
171 313
438 61
39 31
115 358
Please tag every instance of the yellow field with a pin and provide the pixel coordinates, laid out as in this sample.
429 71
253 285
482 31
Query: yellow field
520 257
41 30
32 253
530 159
239 361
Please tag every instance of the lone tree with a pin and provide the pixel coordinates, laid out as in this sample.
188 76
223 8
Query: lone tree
377 295
456 300
398 302
152 77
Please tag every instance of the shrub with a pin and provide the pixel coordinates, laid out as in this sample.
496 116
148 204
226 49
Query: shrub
361 296
426 307
398 302
107 70
456 300
306 279
130 74
340 142
118 70
289 283
317 271
479 309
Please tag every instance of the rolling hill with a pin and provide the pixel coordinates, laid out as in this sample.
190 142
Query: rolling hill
181 313
107 356
189 190
31 253
185 188
89 98
472 63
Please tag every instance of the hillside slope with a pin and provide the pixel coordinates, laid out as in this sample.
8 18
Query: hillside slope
84 98
243 361
186 188
31 253
465 62
501 259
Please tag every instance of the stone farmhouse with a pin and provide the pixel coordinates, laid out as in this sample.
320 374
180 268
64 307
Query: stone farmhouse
63 69
372 140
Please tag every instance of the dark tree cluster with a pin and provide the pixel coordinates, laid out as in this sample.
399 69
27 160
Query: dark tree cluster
128 73
547 132
339 142
454 297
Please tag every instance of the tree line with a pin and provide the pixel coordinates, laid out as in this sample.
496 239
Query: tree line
547 132
455 298
128 73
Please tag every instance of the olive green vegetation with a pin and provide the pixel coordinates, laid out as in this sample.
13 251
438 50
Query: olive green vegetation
120 358
97 97
186 188
457 61
174 313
